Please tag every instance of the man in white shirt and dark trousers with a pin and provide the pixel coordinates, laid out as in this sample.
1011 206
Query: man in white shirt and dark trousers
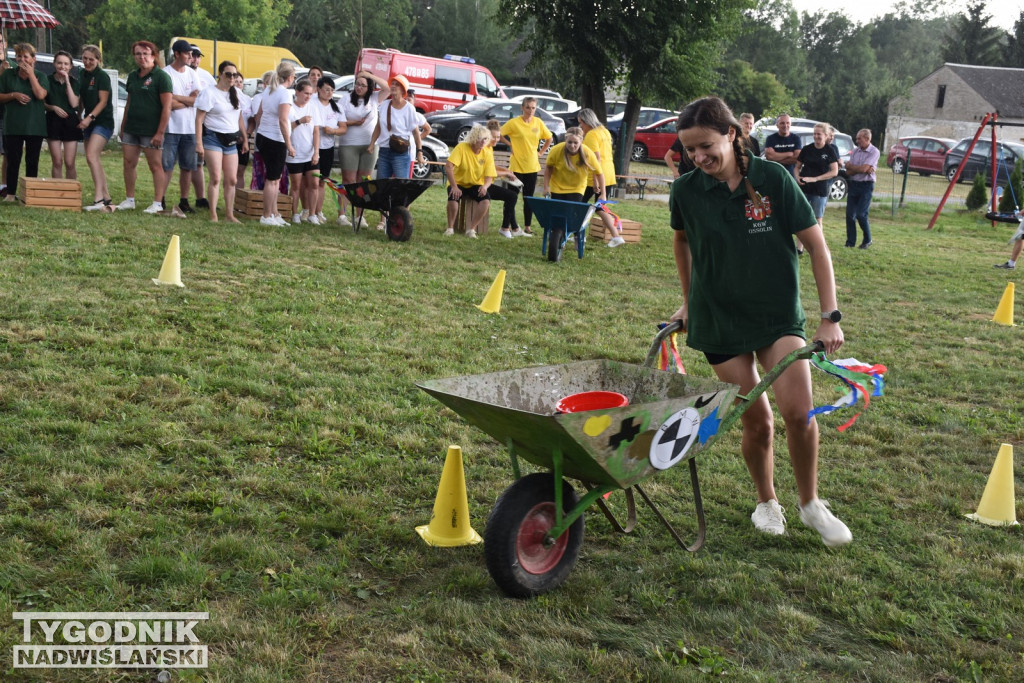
180 138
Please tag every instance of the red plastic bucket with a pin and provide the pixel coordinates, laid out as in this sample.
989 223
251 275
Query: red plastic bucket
592 400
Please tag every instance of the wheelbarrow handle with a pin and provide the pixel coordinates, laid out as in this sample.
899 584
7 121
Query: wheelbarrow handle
668 329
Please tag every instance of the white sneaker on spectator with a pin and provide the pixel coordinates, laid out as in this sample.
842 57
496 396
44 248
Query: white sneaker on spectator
279 219
322 217
616 241
449 232
270 221
344 222
817 515
505 233
363 223
518 232
770 518
155 207
315 219
471 234
127 205
297 218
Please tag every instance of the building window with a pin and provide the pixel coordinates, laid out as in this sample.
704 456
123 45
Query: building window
940 98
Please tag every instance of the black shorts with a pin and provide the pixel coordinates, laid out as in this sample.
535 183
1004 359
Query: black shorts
326 161
718 358
300 167
274 154
567 196
472 193
243 157
63 129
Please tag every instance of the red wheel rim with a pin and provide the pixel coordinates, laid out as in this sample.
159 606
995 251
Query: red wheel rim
533 554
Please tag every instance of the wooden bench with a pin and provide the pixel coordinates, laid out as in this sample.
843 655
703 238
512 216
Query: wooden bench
641 182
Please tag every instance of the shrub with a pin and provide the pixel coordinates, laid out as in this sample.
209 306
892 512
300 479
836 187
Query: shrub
1012 191
978 196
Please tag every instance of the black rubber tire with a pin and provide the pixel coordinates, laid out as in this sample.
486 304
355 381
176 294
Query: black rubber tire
516 526
556 237
899 166
399 225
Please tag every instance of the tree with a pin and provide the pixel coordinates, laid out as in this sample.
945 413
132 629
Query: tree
904 42
1013 50
122 22
655 48
768 40
466 27
747 90
972 39
978 196
1012 191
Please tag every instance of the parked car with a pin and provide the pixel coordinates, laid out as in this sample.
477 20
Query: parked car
840 185
652 142
927 154
613 108
453 126
648 116
433 150
980 160
338 80
514 91
552 105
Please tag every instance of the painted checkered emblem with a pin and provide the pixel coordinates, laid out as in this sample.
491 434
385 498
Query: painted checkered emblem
674 438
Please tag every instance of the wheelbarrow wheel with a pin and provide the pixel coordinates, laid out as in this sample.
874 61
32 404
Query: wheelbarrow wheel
399 225
556 239
520 559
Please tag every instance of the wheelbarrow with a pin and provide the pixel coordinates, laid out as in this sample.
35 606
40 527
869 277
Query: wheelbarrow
560 219
535 529
390 196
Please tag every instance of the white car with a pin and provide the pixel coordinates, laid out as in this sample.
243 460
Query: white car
552 105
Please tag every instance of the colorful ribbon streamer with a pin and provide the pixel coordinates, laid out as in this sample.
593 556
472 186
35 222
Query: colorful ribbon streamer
855 375
669 346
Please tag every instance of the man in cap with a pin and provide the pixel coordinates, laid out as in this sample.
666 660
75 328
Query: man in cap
180 138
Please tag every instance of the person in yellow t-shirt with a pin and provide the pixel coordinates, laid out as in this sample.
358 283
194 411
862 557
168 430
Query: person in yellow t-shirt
470 171
599 140
524 134
568 165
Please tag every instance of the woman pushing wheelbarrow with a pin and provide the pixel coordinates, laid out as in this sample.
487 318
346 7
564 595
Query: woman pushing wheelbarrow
735 220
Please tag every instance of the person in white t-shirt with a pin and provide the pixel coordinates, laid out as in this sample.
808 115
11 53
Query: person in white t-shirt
219 119
304 156
397 133
274 137
180 140
360 109
334 124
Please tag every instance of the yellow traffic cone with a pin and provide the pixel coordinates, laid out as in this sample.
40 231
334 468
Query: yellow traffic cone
449 525
170 271
492 302
1004 312
997 506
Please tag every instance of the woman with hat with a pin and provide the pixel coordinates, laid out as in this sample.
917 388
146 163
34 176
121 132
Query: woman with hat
396 134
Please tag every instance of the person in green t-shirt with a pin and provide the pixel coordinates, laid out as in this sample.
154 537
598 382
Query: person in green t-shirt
62 103
146 113
735 222
97 122
22 93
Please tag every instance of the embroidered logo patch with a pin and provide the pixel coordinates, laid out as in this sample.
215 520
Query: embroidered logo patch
758 213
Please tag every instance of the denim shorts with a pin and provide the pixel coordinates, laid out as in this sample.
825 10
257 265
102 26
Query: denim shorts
817 204
133 140
210 142
96 129
179 148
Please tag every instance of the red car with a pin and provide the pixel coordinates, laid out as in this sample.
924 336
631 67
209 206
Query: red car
926 154
651 142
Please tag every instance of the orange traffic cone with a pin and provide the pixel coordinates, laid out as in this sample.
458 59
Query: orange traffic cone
170 271
449 525
997 507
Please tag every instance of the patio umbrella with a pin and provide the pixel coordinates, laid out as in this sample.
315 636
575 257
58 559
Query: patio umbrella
25 14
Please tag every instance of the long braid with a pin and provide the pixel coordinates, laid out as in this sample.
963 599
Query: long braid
743 163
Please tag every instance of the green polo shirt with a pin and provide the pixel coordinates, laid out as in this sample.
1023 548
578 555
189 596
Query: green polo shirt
745 279
23 119
93 83
143 114
57 93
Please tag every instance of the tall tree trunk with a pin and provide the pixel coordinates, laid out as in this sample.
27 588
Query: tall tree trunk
627 132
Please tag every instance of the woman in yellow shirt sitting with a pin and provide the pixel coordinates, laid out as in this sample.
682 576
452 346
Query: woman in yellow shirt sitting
470 171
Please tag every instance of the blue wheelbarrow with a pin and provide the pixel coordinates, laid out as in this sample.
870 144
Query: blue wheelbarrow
560 219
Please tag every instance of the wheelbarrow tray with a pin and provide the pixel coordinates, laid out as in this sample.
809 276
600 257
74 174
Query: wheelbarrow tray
382 194
601 447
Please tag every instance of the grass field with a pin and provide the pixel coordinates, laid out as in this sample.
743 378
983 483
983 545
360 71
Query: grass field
254 446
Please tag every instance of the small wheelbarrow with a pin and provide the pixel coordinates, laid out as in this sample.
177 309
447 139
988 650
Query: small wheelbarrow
535 529
560 219
390 196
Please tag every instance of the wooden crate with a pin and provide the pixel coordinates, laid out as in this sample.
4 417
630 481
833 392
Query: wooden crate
250 203
630 230
47 193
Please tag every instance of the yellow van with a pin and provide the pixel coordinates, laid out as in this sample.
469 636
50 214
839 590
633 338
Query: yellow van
251 60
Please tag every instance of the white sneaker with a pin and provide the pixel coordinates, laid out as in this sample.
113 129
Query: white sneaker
95 206
505 233
314 219
519 232
449 232
297 219
127 205
769 518
269 221
616 241
471 234
344 222
363 223
279 220
322 217
817 515
155 207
